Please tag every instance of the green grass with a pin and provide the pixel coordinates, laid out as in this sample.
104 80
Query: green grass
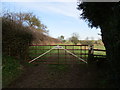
11 70
99 47
99 52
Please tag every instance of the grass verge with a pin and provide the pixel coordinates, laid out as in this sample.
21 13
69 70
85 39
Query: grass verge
11 70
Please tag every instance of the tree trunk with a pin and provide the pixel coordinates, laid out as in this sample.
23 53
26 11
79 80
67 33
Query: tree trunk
111 39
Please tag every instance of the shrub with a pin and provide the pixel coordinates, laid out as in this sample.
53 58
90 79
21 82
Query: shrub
15 39
87 42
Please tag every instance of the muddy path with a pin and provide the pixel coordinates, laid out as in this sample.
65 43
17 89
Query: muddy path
58 76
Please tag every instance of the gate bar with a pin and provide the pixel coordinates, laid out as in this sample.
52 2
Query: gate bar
54 48
41 55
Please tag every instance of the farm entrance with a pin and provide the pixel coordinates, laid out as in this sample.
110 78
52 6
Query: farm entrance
58 54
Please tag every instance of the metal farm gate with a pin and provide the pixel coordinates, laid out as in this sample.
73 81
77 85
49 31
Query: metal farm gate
58 54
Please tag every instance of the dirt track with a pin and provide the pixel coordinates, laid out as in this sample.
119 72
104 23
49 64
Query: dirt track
58 76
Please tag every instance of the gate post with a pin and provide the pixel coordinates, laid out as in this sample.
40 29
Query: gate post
90 54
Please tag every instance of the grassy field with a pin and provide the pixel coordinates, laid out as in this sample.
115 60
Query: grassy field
99 47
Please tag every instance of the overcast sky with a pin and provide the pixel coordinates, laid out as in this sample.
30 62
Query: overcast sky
60 16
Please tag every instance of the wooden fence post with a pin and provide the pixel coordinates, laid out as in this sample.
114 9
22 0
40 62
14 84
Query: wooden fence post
90 54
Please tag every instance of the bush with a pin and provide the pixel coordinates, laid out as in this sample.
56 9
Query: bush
15 39
87 42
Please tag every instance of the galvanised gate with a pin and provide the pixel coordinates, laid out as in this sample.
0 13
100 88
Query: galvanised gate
58 54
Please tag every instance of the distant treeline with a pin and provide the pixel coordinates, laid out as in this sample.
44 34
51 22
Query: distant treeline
91 42
74 39
84 42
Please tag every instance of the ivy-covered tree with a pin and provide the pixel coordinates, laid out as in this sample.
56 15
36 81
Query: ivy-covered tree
106 16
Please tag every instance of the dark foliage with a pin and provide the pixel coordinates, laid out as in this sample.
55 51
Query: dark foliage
106 16
15 39
97 13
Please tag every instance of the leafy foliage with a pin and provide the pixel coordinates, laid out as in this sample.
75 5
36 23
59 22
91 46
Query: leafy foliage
107 17
74 38
16 38
27 19
97 13
61 38
87 42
